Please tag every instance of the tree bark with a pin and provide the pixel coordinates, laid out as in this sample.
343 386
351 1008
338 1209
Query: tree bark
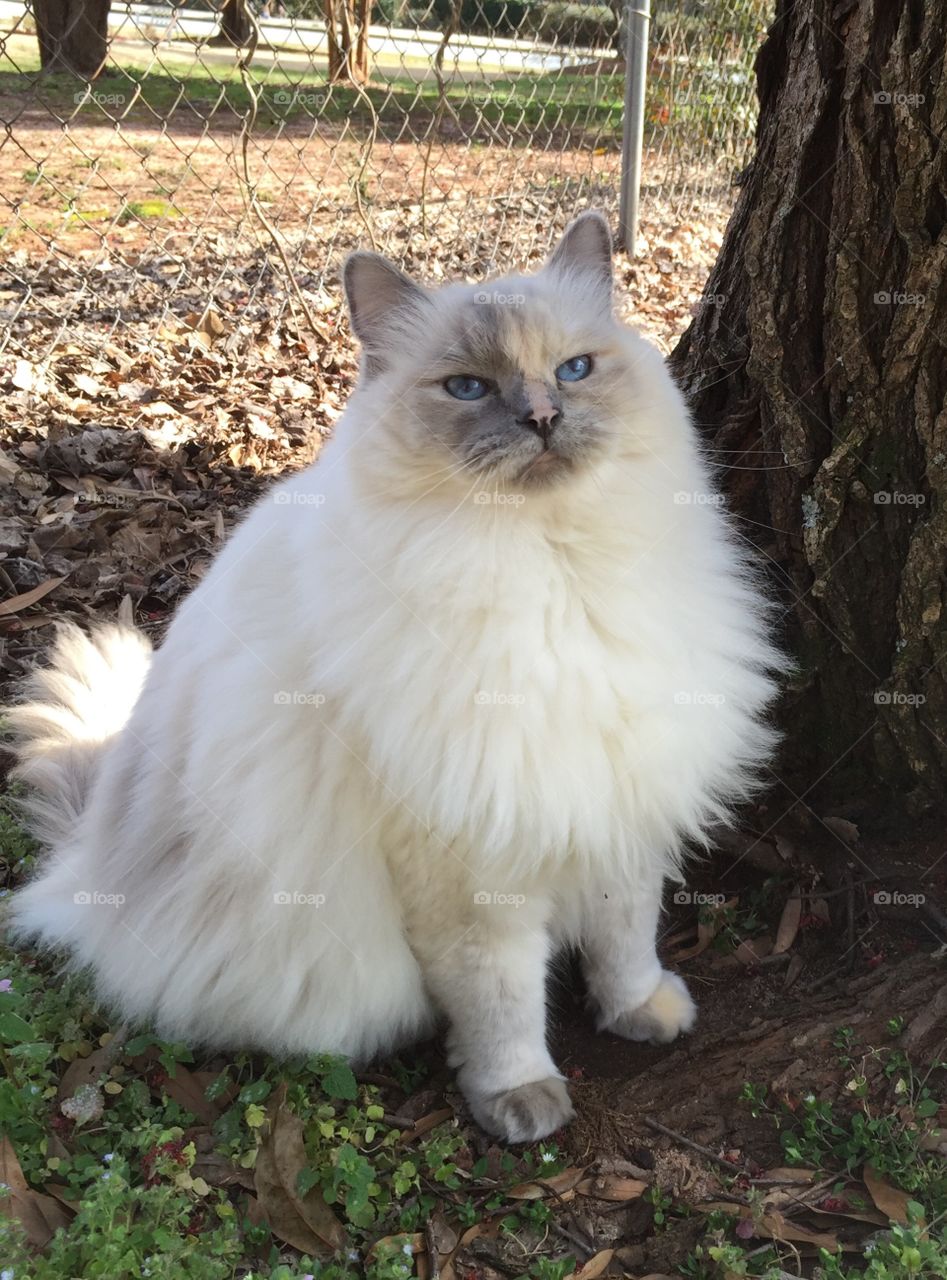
72 36
817 372
235 25
363 17
347 24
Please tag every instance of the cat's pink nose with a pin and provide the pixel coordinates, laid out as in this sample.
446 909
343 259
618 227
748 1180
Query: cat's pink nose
541 411
543 427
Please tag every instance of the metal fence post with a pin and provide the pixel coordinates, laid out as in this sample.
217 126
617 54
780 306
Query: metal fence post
637 20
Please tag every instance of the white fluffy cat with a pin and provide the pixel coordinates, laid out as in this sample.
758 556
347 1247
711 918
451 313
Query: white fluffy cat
452 698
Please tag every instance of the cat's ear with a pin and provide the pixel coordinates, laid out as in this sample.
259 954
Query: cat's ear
586 247
377 292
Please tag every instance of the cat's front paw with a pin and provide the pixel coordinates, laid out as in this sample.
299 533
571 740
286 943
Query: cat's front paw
667 1012
525 1114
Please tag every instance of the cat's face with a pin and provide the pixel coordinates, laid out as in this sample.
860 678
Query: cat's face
518 382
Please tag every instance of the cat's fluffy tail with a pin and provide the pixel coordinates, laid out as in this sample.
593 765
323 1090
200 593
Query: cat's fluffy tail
70 710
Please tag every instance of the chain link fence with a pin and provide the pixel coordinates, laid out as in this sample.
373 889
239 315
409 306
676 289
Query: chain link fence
160 165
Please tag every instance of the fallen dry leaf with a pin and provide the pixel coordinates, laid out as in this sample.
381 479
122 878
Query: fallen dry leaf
219 1171
595 1266
61 1194
16 603
775 1225
489 1229
785 1174
538 1188
425 1124
82 382
707 930
845 830
793 969
415 1241
752 950
611 1187
788 924
39 1215
306 1222
84 1071
890 1200
189 1092
208 326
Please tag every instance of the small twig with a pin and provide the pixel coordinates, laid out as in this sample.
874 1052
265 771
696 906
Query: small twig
804 1201
830 893
586 1249
835 974
775 1182
937 918
430 1240
485 1252
775 957
566 1207
730 1197
694 1146
404 1123
376 1078
850 917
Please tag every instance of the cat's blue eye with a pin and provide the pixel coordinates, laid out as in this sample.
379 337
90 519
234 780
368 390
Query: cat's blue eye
463 387
574 370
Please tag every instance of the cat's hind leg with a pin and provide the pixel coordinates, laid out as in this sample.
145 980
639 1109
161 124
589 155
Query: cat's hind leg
633 995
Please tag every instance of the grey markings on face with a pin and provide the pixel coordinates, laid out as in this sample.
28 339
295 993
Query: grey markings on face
525 414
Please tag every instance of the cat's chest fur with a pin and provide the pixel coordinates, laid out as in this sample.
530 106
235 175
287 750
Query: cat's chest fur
532 693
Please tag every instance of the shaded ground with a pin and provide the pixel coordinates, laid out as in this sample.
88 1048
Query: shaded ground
804 1112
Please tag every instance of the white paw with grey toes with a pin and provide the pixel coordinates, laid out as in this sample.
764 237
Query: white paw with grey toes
526 1113
668 1012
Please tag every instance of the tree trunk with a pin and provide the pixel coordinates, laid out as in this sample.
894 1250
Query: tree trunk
817 372
363 18
72 35
235 25
347 32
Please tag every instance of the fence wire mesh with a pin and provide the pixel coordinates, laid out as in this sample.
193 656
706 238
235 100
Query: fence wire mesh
176 200
217 150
